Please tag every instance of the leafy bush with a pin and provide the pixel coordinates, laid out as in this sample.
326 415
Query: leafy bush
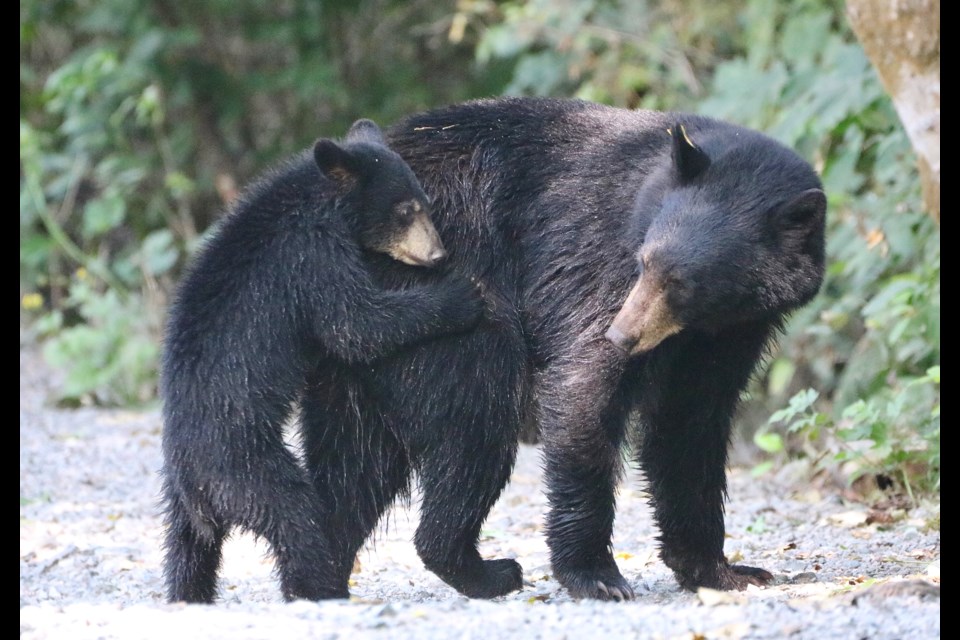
871 341
654 55
93 183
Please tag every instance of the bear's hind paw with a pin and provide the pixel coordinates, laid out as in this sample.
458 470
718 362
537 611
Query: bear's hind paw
737 577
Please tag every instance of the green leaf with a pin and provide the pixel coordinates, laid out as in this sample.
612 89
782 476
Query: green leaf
761 469
102 215
158 252
769 442
781 373
180 186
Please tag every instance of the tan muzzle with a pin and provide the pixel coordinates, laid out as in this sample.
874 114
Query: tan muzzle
420 245
645 319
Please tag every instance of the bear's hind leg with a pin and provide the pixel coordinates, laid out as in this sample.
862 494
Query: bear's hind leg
356 464
467 433
192 556
270 496
457 498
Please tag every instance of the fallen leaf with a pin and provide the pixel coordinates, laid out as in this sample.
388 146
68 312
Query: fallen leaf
887 516
849 519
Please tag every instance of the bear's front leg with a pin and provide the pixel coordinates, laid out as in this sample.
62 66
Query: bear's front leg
583 418
689 392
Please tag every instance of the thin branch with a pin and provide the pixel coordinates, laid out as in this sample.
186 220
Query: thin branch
56 231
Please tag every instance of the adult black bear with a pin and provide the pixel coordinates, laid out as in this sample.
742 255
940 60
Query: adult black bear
559 208
280 287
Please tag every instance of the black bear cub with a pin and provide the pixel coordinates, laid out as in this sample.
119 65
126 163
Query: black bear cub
281 287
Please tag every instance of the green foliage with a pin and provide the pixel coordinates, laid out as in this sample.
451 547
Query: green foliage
95 180
110 355
896 430
622 52
871 339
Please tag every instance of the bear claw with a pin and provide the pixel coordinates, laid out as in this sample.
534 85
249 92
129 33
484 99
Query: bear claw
619 594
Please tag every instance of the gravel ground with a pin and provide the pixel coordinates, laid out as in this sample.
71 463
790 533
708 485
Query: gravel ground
90 558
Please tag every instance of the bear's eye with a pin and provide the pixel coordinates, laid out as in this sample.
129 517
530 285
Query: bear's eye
678 287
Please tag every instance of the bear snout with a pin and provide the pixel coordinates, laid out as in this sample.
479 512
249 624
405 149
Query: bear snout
645 320
619 339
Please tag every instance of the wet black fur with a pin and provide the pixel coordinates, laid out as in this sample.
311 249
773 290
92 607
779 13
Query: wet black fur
548 203
281 291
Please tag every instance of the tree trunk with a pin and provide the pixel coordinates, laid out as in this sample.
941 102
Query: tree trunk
902 40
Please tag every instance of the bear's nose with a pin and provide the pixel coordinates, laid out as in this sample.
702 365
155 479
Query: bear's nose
620 340
437 255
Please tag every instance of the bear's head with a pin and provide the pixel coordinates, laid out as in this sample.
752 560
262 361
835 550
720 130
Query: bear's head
727 230
382 199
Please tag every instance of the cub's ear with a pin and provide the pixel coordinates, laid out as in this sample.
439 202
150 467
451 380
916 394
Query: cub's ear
336 163
689 159
364 130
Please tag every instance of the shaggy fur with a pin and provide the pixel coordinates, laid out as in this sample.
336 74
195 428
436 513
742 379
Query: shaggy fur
556 207
278 293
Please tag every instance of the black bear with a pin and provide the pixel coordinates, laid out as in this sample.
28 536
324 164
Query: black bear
636 265
279 288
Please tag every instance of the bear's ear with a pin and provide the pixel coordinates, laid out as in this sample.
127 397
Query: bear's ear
336 163
799 222
805 211
689 159
365 130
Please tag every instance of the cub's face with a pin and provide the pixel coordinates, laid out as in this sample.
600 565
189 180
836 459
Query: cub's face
384 203
413 239
394 214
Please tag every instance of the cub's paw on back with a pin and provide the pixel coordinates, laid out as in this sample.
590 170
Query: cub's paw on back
462 302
